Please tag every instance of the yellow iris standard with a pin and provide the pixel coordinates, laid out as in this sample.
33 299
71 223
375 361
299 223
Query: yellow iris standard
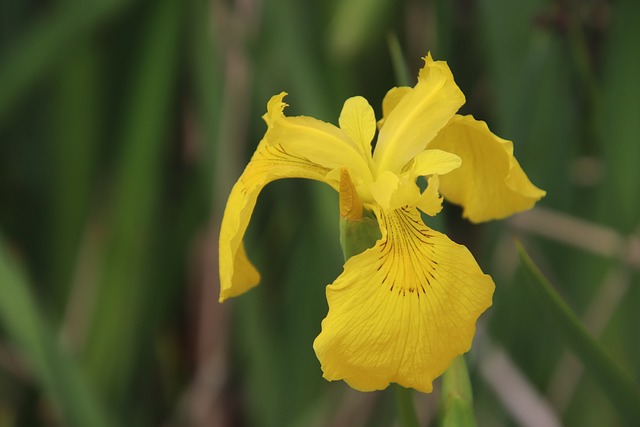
403 309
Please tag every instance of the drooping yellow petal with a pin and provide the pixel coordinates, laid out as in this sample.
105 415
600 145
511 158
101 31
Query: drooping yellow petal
321 142
270 162
490 184
418 116
402 310
359 122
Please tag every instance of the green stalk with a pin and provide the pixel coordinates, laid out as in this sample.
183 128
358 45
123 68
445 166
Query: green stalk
406 411
457 398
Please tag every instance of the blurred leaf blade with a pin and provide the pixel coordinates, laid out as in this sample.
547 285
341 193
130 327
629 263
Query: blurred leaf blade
77 138
354 22
123 306
207 78
398 60
623 393
60 377
621 127
31 56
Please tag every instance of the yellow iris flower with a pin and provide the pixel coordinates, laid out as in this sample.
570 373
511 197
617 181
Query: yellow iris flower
403 309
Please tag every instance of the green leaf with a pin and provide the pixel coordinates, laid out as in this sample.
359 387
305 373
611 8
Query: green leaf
57 373
623 393
457 397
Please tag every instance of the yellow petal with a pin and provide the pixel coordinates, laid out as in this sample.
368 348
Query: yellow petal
391 100
418 116
359 122
319 142
270 162
391 191
430 201
490 184
433 161
402 310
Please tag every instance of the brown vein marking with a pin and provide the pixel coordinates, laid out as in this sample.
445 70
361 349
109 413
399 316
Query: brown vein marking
280 153
406 242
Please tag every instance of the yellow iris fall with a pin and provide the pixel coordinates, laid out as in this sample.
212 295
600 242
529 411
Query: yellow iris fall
403 309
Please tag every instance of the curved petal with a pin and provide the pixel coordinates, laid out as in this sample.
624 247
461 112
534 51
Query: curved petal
418 116
359 122
402 310
391 191
434 161
490 184
430 201
320 142
270 162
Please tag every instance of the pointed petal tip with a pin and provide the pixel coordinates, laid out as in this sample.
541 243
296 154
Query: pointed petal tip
275 108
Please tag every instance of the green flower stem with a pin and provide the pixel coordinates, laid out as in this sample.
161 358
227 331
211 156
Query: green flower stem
406 411
457 398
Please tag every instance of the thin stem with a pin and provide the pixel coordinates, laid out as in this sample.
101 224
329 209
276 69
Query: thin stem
406 411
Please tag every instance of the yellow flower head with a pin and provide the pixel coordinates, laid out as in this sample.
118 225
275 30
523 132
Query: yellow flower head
403 309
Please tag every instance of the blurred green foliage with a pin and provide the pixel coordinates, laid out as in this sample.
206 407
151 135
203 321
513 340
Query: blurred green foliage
123 126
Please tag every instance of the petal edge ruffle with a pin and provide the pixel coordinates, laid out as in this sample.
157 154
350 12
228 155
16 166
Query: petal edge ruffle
402 310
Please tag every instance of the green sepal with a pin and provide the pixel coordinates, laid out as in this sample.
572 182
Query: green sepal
356 236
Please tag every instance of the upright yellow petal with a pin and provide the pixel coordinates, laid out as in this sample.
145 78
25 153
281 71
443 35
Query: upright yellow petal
359 122
402 310
321 142
270 162
391 100
490 184
418 116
